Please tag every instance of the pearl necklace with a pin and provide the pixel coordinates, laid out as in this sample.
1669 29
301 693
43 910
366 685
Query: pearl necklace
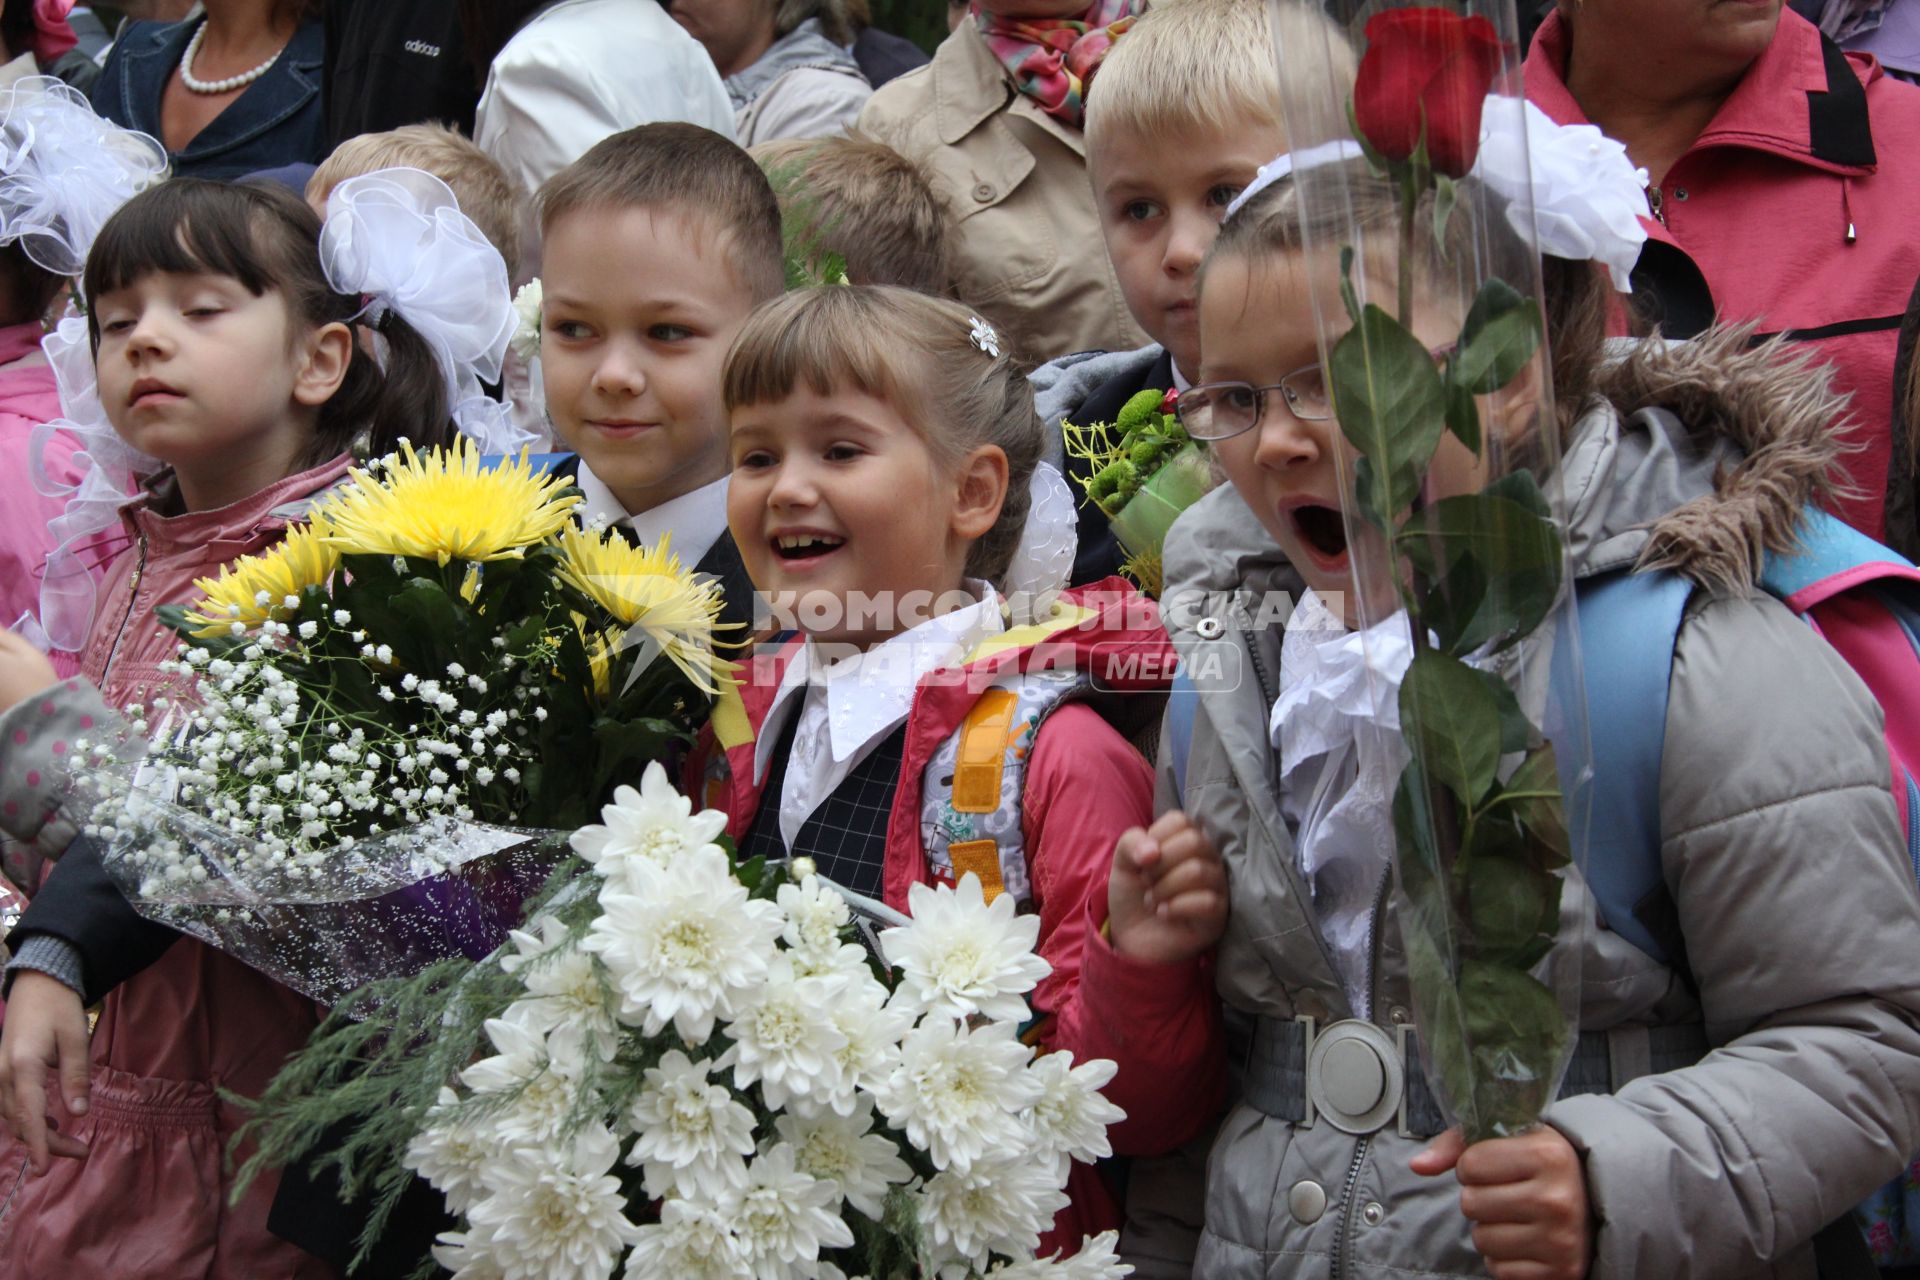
219 86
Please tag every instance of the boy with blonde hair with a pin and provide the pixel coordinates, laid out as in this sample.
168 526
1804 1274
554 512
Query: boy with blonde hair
485 192
1188 109
863 202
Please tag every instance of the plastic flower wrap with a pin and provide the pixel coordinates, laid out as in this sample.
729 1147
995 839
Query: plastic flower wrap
1145 472
1423 276
377 728
688 1067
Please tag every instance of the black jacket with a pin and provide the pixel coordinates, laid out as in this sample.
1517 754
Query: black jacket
395 62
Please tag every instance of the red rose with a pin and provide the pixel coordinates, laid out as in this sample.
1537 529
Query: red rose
1428 65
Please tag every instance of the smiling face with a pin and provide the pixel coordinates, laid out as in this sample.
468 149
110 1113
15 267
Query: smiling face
639 308
212 380
1161 200
837 498
1257 325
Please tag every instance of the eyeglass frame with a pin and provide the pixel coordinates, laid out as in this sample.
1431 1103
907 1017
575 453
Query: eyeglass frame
1260 397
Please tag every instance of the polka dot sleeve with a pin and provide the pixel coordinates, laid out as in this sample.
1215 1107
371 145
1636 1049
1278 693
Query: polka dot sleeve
38 740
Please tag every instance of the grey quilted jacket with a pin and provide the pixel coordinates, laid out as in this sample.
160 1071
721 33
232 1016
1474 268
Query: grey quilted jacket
1780 846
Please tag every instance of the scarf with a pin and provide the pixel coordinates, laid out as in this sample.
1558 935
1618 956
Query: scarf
1053 60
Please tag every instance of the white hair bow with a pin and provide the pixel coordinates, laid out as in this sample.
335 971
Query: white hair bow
398 237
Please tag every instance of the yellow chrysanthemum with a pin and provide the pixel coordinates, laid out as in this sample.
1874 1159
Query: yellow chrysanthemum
444 506
253 589
645 589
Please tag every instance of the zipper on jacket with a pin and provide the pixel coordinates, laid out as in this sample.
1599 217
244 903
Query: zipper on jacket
1657 203
133 598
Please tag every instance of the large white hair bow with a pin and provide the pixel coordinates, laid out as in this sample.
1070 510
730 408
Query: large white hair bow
64 170
397 236
1043 561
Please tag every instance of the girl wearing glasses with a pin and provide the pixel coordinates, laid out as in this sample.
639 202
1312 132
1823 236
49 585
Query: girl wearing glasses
1779 842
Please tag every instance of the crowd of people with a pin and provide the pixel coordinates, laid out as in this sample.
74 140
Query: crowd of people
822 311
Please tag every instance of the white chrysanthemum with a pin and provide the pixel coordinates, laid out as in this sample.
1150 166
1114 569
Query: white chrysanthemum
694 1136
957 1092
654 824
559 1215
1097 1259
873 1030
686 945
960 956
785 1217
845 1151
543 1075
1000 1205
468 1254
452 1153
692 1241
1071 1117
567 993
785 1039
816 920
526 329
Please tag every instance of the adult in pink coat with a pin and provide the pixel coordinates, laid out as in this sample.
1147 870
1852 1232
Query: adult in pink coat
1785 174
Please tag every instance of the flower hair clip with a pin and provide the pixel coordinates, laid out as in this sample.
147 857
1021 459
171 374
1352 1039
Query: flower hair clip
984 337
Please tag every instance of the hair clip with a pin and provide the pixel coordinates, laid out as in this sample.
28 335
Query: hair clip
984 337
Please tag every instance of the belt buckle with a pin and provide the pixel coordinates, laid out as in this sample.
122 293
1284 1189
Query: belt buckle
1355 1077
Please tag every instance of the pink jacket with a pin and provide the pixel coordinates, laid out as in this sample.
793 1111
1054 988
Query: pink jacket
1796 205
28 398
151 1197
1085 785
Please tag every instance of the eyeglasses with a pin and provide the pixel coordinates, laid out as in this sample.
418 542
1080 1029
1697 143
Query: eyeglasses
1223 410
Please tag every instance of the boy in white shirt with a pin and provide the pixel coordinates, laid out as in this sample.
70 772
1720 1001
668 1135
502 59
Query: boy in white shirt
658 243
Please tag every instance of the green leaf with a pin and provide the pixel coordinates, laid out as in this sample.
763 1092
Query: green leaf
1516 731
1390 401
1379 163
1517 1030
1501 333
1446 194
1517 550
1453 724
1544 818
1510 907
1463 414
1449 607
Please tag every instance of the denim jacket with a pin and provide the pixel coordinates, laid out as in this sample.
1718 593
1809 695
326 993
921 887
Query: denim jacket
278 120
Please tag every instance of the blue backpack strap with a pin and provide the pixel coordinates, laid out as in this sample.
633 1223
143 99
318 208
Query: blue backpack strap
541 463
1829 547
1628 625
1183 703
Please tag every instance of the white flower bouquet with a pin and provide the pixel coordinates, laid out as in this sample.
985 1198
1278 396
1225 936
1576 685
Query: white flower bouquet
697 1068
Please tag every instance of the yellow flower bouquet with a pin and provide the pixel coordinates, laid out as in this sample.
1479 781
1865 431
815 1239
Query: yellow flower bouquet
380 722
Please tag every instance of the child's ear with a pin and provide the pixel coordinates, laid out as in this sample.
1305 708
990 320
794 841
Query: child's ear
980 492
329 352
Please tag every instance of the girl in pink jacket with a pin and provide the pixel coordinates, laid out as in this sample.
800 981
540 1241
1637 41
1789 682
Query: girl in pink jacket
224 350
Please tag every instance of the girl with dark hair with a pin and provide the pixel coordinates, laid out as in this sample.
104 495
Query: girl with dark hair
222 349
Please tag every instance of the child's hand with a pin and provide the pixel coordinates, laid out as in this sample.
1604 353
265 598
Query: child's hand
24 670
45 1031
1526 1198
1167 894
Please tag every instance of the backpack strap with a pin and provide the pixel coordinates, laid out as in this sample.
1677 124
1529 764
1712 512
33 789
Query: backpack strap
1628 625
1832 557
1183 703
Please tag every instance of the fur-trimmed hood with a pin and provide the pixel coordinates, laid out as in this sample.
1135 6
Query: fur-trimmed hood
1701 459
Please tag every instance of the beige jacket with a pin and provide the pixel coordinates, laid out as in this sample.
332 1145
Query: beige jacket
1027 246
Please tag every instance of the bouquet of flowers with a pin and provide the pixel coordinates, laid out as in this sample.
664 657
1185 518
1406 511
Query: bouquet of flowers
371 723
1443 393
1145 472
697 1067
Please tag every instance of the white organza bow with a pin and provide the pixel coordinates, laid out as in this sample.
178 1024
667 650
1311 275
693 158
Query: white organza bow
1043 561
64 170
398 237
